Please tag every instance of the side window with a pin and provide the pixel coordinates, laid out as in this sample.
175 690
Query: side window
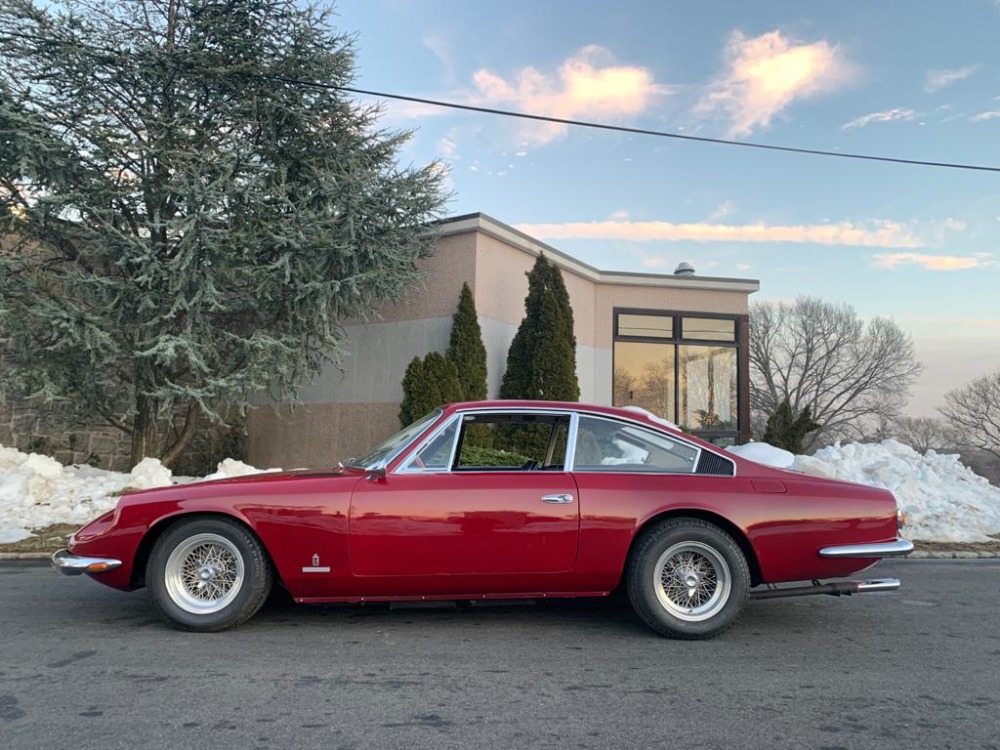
512 442
607 445
434 456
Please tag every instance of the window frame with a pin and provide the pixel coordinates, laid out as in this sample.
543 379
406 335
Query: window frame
406 468
407 465
741 431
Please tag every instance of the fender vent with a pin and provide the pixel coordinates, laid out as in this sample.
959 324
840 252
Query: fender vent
709 463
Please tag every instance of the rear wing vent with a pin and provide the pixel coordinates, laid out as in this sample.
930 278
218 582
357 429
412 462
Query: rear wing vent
710 463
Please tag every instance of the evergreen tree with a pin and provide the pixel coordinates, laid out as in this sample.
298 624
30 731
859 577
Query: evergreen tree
446 388
194 217
787 430
541 362
466 350
414 393
427 384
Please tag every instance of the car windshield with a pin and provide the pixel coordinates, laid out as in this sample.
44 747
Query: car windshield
385 450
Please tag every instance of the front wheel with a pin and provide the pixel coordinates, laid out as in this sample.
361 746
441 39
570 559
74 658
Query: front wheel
687 579
208 574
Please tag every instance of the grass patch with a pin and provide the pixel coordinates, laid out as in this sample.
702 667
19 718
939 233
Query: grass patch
46 540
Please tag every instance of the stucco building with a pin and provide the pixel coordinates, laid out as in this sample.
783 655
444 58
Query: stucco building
675 344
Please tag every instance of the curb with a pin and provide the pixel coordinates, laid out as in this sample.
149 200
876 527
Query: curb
8 556
951 555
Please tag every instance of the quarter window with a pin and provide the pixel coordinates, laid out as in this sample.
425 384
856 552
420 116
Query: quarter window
607 445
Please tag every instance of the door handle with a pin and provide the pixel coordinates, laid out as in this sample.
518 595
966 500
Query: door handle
558 499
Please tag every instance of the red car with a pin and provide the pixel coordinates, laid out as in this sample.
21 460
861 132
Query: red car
500 500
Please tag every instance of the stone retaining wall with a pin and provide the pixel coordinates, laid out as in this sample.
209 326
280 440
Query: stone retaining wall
39 428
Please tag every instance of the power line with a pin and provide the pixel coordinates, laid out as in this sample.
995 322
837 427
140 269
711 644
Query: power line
655 133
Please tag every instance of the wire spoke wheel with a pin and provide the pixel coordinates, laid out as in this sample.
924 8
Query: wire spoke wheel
692 581
204 573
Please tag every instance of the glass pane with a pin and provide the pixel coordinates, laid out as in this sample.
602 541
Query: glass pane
434 456
644 376
513 441
710 329
650 326
707 388
606 445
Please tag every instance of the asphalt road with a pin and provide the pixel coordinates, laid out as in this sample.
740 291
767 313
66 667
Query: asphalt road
82 666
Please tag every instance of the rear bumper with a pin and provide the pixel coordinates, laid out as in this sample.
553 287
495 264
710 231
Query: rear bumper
898 548
73 565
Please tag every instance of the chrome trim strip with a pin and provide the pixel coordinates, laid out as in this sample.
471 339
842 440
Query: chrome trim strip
73 565
880 584
897 548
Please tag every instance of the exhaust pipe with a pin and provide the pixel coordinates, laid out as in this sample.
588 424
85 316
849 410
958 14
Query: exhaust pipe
836 588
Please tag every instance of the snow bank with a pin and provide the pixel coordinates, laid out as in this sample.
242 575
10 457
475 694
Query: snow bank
763 453
37 491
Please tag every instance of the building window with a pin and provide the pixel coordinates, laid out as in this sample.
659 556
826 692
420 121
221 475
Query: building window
684 368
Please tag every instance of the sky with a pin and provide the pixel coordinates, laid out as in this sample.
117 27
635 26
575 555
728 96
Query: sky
911 79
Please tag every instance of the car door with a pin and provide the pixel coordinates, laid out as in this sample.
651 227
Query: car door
467 516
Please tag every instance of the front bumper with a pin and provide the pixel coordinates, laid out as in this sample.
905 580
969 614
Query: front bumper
73 565
898 548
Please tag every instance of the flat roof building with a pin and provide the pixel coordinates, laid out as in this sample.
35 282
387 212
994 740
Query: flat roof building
674 344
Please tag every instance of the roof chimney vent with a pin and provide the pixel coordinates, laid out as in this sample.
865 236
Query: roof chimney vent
684 269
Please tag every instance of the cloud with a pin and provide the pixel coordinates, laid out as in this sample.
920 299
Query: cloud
725 209
586 85
887 116
940 79
984 116
870 234
448 149
768 73
931 262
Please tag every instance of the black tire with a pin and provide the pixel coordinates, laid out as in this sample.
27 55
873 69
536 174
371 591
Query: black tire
706 575
208 574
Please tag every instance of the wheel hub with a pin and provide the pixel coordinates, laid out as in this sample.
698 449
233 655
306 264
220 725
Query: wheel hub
206 573
691 579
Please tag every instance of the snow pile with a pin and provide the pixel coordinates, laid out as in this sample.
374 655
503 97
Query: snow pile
38 491
764 453
943 500
230 467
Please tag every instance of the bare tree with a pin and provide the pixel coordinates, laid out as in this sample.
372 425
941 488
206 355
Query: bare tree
924 434
974 411
821 355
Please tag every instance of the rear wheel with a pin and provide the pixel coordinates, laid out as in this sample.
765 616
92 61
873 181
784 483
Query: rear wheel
687 579
208 574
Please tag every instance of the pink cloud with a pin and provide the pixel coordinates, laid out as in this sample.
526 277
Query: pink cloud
766 74
871 234
931 262
586 85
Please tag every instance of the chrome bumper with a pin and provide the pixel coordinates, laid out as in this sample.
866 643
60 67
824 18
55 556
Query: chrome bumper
897 548
73 565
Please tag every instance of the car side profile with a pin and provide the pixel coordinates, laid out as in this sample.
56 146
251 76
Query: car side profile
501 500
